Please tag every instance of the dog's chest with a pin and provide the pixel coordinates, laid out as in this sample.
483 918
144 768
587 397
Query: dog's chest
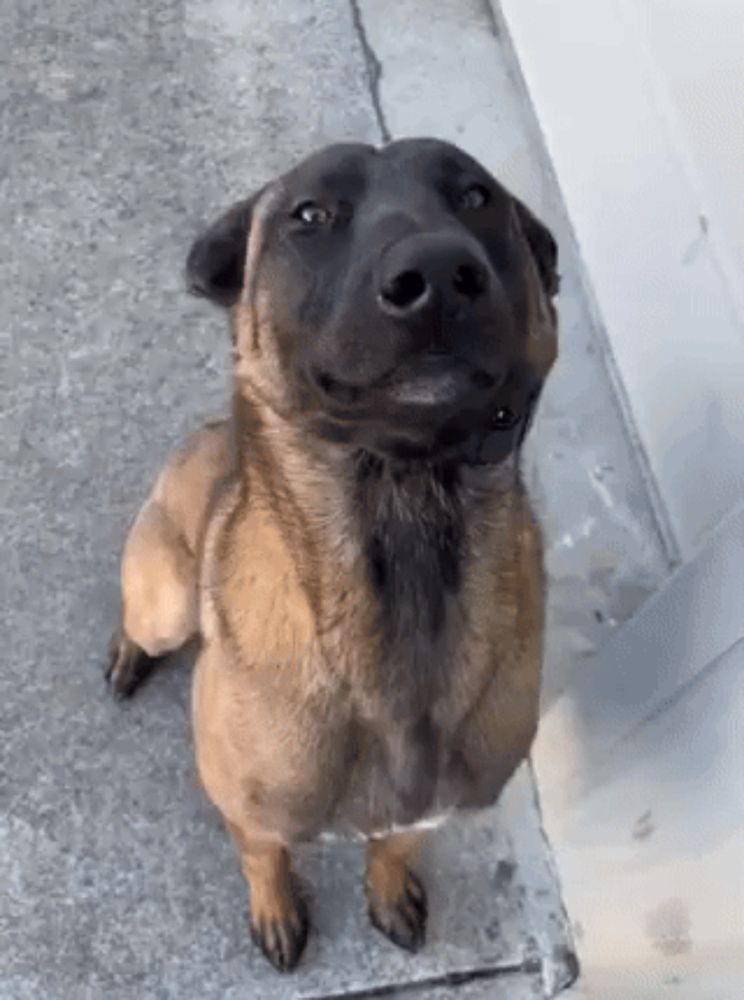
411 530
365 634
413 547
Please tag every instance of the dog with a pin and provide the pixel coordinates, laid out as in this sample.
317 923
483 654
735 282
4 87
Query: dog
353 546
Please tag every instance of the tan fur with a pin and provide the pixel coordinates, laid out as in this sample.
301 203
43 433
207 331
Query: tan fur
278 912
396 898
259 555
159 564
286 677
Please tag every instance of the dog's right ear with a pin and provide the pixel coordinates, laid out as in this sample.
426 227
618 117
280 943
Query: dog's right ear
216 260
543 246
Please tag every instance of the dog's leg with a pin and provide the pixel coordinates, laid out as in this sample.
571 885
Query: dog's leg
159 566
279 920
159 612
396 898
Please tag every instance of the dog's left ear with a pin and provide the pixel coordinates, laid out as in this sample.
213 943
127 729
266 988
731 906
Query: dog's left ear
216 260
543 246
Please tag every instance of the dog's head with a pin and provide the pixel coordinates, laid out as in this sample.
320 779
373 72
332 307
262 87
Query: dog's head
397 300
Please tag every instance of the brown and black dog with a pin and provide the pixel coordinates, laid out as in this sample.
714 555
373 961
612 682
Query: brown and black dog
353 546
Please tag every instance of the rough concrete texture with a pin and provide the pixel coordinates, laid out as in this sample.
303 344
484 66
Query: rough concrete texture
123 127
130 889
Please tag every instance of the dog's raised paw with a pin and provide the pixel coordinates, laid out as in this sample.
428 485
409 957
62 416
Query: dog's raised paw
282 939
127 665
400 916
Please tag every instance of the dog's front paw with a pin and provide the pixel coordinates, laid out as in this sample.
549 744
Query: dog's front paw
397 907
281 931
127 666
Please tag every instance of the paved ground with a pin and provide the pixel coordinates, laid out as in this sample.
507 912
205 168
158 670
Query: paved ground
123 127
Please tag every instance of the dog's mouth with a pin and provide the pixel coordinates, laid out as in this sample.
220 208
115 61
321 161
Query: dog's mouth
437 382
434 382
435 409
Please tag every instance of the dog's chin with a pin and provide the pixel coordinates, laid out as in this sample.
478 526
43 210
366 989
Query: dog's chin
472 438
455 444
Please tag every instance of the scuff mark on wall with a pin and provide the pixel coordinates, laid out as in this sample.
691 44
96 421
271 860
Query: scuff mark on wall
668 926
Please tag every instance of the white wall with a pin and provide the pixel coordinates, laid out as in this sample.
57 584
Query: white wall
640 775
698 49
649 158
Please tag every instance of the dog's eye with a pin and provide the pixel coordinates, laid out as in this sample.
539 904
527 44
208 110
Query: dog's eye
310 213
504 419
474 196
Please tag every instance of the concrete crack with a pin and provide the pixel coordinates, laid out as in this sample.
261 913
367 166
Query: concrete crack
373 68
447 979
491 18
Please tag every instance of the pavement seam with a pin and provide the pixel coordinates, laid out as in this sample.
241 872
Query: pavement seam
493 23
446 979
373 68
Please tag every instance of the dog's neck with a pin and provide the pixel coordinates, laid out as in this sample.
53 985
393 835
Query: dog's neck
411 524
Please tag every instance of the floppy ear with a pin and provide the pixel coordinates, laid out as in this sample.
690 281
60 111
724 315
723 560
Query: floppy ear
214 266
543 246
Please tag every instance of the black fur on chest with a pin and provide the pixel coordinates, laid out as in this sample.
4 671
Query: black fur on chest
413 533
412 526
412 522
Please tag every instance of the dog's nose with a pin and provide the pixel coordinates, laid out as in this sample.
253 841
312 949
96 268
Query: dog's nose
426 273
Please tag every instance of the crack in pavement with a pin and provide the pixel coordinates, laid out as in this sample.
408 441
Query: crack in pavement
491 18
373 68
447 979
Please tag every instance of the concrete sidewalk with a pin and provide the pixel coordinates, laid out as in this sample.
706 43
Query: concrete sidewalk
123 127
